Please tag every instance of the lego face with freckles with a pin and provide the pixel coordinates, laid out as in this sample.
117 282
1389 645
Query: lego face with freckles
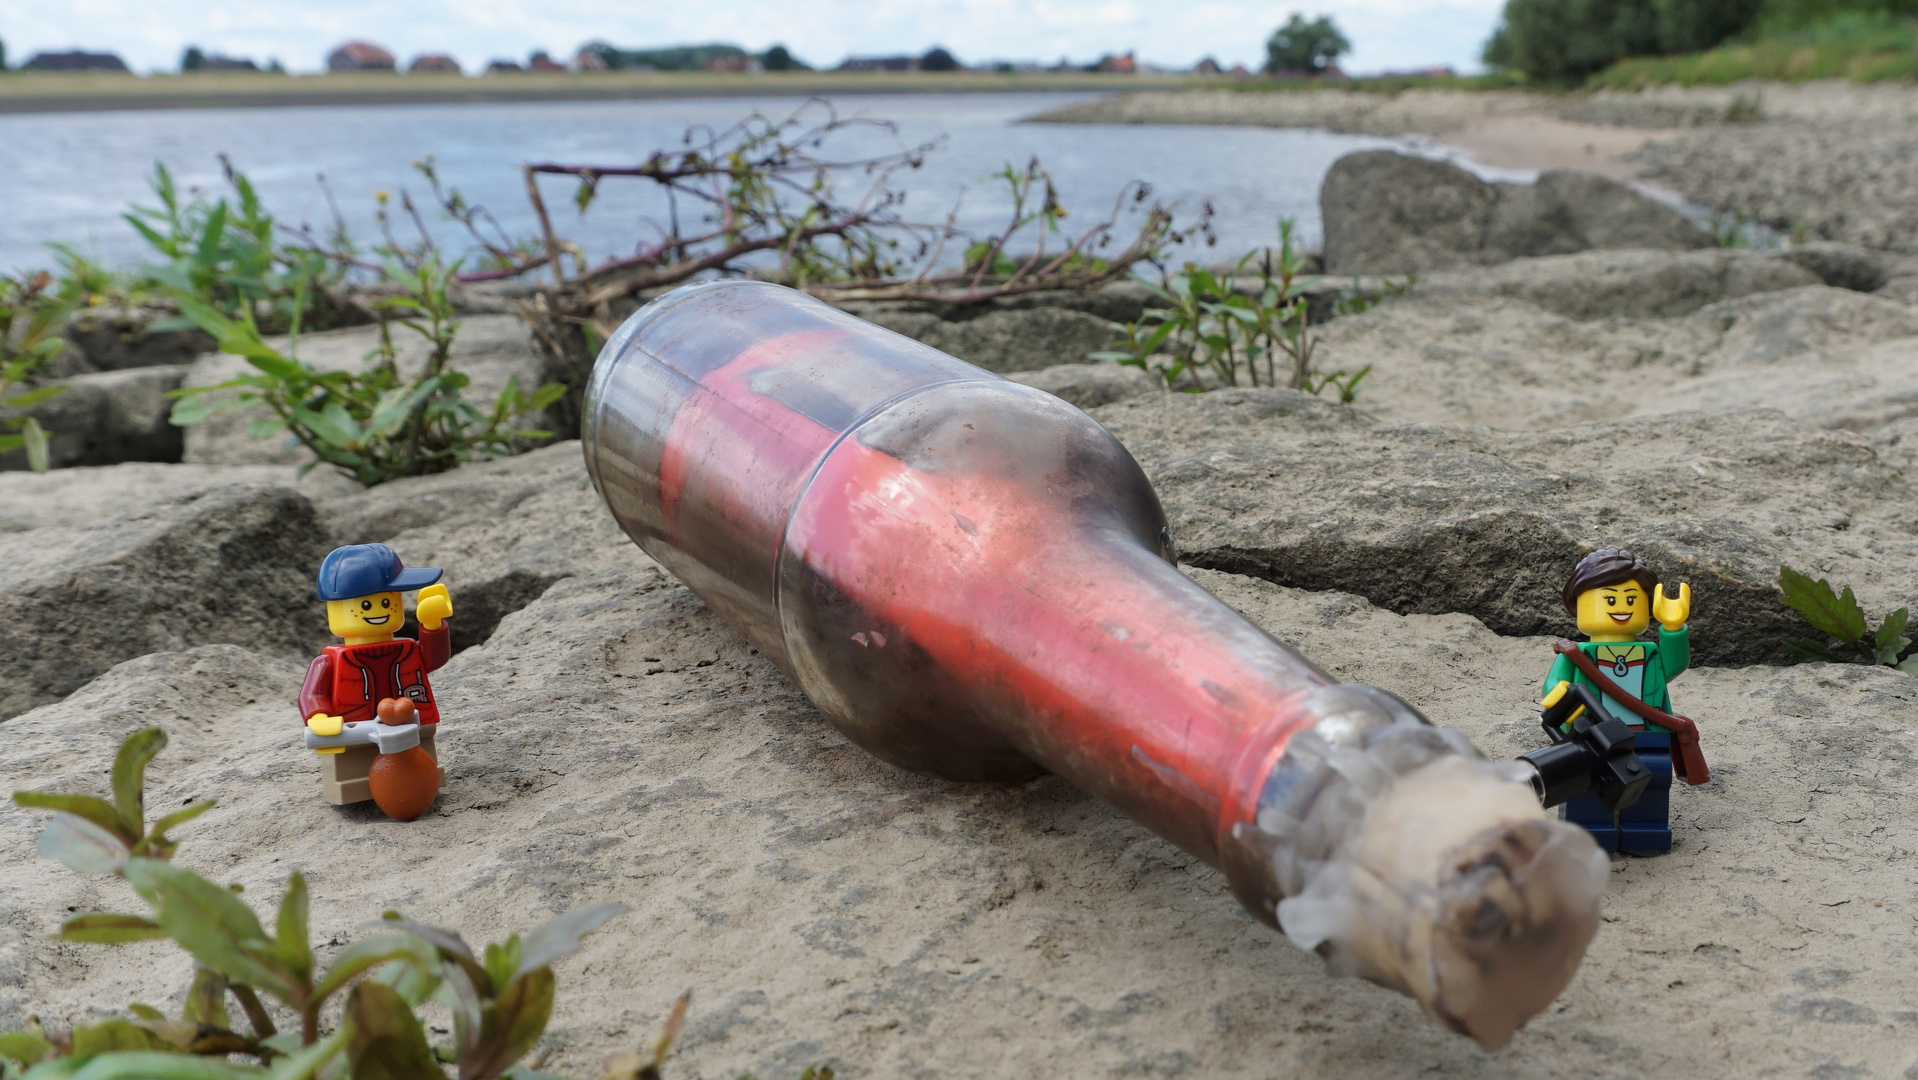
378 615
1621 610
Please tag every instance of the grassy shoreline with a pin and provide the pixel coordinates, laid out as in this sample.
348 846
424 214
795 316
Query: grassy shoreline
44 93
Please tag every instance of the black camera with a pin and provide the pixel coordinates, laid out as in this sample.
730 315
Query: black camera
1599 755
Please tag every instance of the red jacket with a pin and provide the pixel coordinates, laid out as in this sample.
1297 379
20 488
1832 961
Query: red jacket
349 681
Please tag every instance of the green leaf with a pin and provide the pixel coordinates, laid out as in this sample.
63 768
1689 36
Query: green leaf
147 1065
562 936
103 929
82 845
212 924
384 1039
206 999
502 960
292 936
190 410
129 777
264 427
106 1036
145 1012
450 947
34 437
96 810
368 953
23 1046
181 816
1837 615
30 398
1890 638
306 1063
1909 665
515 1022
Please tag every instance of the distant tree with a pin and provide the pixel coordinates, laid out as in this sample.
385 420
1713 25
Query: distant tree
1305 46
193 60
3 56
779 58
938 59
274 67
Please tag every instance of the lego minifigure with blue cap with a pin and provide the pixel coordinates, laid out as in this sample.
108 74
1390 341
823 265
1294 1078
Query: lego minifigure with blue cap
347 683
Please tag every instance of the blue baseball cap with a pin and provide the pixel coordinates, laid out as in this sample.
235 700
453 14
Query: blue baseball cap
365 569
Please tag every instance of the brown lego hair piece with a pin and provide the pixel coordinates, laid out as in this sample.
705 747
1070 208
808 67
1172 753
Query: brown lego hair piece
1607 566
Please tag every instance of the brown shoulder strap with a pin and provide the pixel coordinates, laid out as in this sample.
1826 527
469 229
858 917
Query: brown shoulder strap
1687 757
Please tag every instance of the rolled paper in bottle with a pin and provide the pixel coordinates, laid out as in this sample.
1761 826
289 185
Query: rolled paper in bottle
972 579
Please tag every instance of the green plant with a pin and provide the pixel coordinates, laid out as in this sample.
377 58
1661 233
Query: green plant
376 424
1564 41
1839 618
32 315
227 256
500 998
1212 327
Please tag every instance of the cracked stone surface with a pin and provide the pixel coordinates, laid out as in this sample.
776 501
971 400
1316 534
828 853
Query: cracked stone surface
614 740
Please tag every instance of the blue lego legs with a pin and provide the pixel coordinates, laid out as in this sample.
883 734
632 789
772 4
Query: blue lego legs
1646 825
1643 827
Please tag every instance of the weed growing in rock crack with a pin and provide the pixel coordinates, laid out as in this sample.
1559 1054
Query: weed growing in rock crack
32 314
501 997
376 424
1838 616
229 257
1213 327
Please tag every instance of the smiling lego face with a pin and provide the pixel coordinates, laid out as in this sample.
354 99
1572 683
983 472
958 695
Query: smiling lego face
372 616
1614 610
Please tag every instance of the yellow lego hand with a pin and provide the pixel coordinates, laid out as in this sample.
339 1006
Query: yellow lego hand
1672 613
325 726
1558 693
435 607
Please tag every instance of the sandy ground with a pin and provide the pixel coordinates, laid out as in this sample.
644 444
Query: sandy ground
1540 141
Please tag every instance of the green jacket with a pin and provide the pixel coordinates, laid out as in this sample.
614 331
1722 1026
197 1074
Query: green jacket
1663 662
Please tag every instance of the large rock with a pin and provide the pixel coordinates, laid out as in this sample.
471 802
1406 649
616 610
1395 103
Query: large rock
1005 340
615 742
1630 284
88 495
115 338
1828 356
1389 213
108 417
1429 518
489 349
234 564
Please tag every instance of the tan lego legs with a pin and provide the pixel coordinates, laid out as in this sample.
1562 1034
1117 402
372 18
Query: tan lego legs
343 775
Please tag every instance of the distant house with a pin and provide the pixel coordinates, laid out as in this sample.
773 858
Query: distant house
504 67
359 56
1207 66
434 62
880 63
733 63
1118 65
542 62
74 60
1442 72
591 60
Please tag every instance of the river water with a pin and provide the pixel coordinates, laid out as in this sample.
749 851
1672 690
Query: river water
68 177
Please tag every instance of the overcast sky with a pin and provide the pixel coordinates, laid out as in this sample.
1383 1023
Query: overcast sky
151 34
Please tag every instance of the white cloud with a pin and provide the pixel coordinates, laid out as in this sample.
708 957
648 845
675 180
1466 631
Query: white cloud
151 34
